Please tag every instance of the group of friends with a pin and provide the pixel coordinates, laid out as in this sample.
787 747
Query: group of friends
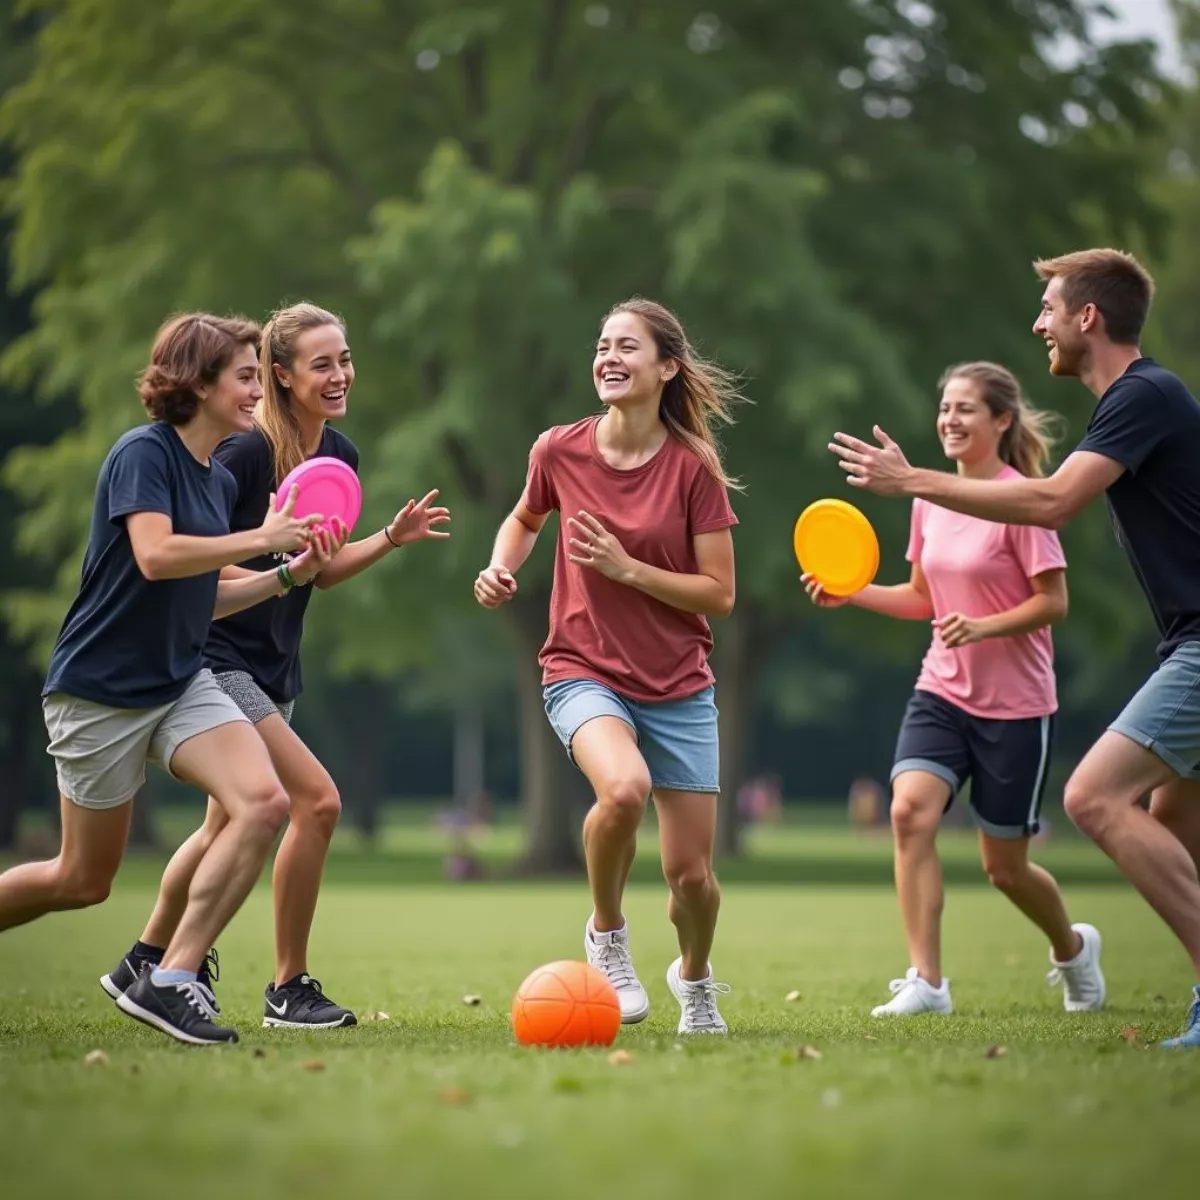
182 647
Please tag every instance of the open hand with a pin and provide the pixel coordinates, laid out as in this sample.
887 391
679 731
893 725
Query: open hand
881 469
417 521
593 546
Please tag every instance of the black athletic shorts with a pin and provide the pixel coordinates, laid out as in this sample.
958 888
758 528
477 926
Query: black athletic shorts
1005 761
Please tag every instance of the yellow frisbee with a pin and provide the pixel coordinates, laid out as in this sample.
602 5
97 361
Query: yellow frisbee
837 545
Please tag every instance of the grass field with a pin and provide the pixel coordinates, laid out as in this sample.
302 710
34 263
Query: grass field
439 1101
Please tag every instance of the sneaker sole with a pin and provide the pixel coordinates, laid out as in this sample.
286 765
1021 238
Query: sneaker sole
106 982
133 1009
636 1018
341 1023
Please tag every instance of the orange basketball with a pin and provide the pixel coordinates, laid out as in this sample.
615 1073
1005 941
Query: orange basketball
566 1004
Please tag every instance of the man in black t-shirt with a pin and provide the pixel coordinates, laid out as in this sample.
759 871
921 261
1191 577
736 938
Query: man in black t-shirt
1141 448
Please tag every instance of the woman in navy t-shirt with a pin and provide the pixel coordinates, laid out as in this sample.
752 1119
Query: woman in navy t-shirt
127 682
307 374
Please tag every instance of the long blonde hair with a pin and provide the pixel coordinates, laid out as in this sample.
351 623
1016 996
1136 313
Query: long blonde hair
1026 444
274 414
698 396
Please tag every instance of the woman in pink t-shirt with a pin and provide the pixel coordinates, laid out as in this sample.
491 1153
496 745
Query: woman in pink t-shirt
644 557
985 699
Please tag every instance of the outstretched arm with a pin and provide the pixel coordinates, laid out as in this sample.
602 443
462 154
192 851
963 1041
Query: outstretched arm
1050 502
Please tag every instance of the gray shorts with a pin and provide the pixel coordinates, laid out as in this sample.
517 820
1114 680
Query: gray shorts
1164 716
240 687
100 752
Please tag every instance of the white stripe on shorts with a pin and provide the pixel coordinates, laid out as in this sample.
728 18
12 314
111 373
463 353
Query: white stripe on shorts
1039 780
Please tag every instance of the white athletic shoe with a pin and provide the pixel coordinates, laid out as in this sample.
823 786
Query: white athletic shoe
609 952
912 995
1081 978
697 1000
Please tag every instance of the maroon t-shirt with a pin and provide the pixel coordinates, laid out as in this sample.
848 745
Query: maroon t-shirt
607 631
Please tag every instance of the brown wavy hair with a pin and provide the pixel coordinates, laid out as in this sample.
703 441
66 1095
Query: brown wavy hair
190 352
699 396
274 415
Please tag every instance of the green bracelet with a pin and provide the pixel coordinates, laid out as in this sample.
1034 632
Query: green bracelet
285 577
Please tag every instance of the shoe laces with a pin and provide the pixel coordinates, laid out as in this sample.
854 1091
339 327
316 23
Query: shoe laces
210 973
910 980
700 1003
1074 978
616 962
198 997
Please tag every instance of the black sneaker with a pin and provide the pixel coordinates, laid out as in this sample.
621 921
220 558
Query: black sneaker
121 978
300 1004
183 1011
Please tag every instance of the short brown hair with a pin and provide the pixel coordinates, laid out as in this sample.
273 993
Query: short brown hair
1113 280
190 351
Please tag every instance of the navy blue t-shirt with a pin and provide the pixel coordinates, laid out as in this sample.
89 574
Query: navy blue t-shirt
127 641
264 641
1149 422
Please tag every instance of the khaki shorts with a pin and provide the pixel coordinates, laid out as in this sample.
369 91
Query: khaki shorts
100 753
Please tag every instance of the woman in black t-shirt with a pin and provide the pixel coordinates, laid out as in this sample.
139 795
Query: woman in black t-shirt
307 373
127 684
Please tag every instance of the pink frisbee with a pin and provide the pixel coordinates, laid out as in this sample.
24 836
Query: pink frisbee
327 486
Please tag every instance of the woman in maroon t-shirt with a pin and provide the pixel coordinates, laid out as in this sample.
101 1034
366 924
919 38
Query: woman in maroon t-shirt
644 557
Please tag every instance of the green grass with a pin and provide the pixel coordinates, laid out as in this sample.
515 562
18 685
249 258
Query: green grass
439 1101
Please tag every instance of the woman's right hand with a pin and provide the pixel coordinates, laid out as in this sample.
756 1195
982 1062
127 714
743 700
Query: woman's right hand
495 585
819 596
282 531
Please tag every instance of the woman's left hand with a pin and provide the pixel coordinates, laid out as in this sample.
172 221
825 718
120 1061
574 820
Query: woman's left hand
593 546
416 521
957 630
322 549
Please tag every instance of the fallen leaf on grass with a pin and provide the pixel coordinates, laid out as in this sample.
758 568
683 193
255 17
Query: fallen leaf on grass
96 1058
792 997
134 1069
995 1052
472 1001
259 1052
1129 1033
800 1053
377 1016
620 1058
314 1064
455 1095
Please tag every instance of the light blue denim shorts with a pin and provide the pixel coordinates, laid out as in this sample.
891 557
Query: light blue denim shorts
1164 715
677 738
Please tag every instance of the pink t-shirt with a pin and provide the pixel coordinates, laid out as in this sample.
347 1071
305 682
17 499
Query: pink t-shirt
603 630
978 568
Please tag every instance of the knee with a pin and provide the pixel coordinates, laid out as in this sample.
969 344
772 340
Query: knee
913 818
689 879
1004 876
83 887
624 800
266 810
1086 807
320 809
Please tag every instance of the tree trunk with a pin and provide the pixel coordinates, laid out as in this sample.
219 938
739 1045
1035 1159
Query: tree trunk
366 733
547 787
469 758
735 682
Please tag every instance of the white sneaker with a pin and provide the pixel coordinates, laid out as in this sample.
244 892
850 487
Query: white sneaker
912 995
698 1000
1081 978
609 952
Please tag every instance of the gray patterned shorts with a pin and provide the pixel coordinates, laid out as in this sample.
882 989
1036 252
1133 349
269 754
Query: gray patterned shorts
240 687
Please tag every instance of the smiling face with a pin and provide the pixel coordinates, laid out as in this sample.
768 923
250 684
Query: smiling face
627 368
968 431
1061 330
321 373
229 402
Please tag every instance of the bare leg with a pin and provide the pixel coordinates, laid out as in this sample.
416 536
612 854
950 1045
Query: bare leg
687 827
177 878
93 841
918 801
1032 889
1102 799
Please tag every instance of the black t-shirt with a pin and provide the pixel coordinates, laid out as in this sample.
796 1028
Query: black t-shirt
127 641
1149 422
264 641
